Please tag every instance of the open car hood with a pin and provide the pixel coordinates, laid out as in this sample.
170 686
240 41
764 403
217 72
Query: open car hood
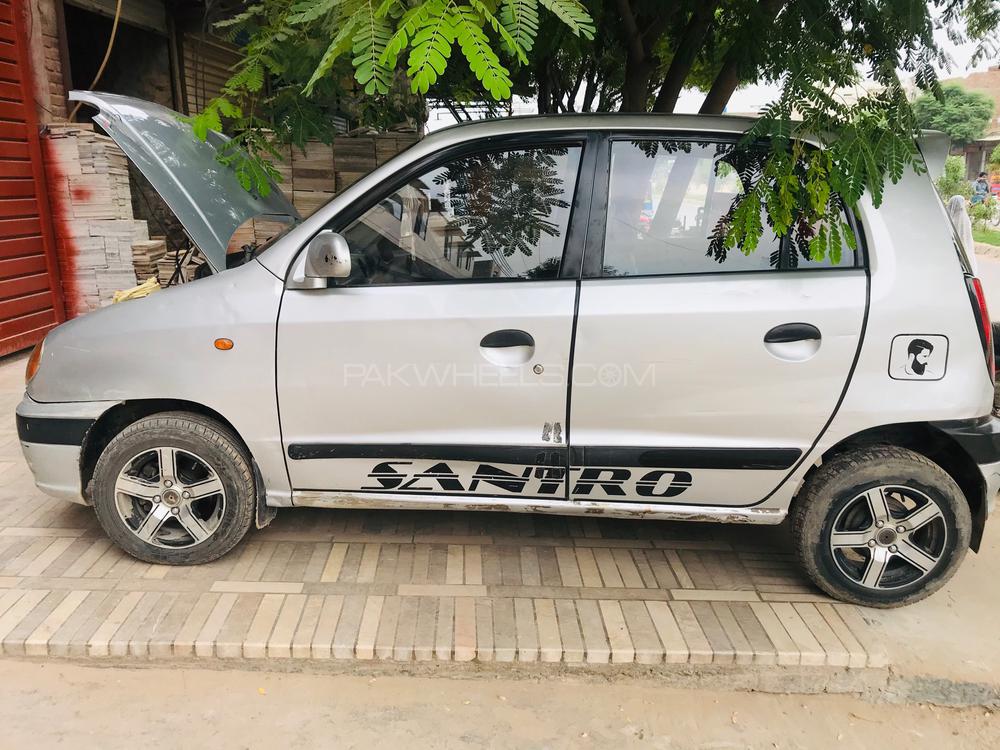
206 196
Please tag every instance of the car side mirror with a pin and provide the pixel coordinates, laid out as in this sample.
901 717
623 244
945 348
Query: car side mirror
328 256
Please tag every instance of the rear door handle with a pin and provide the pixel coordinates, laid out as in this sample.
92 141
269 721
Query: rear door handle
789 332
506 337
507 347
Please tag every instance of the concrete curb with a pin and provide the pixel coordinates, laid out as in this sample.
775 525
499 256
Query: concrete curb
940 691
874 685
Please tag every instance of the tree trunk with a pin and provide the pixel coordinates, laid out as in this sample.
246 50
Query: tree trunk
544 86
687 50
590 88
723 86
641 37
635 89
728 78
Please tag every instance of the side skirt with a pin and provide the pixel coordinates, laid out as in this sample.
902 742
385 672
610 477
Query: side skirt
654 511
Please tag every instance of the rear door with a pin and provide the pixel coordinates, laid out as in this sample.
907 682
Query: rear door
440 366
699 380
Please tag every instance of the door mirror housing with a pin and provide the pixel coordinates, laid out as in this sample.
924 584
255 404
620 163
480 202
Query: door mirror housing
327 256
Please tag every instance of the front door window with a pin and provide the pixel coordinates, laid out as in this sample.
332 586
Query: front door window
488 216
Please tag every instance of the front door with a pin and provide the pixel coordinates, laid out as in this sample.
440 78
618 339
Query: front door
700 379
439 367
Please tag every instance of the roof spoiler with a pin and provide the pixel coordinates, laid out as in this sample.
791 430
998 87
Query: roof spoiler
934 147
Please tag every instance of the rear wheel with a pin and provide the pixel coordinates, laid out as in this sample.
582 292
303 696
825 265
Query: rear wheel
881 526
174 488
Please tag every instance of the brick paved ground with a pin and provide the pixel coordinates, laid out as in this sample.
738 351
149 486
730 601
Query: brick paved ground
420 586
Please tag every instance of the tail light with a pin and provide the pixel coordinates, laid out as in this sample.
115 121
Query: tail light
982 314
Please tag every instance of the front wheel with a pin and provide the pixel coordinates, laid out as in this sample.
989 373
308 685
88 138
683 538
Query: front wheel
175 489
881 526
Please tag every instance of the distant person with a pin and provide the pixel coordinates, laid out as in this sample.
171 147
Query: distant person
963 225
980 189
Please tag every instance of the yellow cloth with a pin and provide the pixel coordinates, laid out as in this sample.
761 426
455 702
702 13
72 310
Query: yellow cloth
144 289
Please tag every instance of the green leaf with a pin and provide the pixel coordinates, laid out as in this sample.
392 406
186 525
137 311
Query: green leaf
483 61
372 69
207 120
520 19
228 109
249 77
431 48
573 14
508 41
412 21
338 46
310 10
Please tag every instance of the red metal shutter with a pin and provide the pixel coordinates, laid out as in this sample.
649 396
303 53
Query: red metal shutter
30 293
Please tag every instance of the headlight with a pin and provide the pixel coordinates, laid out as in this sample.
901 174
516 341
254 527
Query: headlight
33 362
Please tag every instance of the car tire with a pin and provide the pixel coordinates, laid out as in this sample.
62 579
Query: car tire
195 510
880 526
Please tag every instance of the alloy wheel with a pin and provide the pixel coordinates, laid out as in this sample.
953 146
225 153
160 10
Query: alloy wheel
170 498
888 537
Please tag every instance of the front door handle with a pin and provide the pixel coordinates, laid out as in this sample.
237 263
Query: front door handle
789 332
507 337
507 347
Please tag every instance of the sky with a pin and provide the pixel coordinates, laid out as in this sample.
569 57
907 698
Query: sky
749 99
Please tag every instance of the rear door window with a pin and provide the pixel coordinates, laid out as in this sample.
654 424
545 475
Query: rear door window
665 200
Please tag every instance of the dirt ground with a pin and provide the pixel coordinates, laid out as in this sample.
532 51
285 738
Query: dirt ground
64 705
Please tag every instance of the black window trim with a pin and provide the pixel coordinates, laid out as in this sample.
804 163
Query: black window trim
578 225
593 262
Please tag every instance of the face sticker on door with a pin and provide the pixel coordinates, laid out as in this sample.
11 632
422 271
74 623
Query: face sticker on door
918 357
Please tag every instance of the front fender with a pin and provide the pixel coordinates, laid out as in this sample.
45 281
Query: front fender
162 347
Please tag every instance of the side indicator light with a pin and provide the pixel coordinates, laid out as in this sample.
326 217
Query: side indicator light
224 345
33 362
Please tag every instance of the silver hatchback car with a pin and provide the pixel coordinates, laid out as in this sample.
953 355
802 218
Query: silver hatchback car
524 315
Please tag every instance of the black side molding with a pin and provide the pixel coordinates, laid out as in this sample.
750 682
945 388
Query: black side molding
52 431
505 454
773 459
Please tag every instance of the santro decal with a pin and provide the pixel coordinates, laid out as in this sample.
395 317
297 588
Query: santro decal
532 481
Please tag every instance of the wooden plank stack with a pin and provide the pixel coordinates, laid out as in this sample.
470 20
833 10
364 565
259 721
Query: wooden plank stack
166 265
145 256
315 174
89 191
355 159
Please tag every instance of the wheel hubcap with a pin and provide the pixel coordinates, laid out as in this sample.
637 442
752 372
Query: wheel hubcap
888 537
170 498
